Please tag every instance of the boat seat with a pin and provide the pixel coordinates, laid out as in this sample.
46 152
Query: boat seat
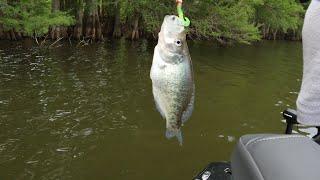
276 157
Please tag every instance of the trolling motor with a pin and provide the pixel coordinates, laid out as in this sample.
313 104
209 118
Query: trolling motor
290 115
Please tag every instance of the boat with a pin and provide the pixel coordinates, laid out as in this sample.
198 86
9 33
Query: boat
270 157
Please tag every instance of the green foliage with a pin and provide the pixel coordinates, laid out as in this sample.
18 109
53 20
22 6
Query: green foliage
33 17
151 12
10 16
223 20
153 15
227 21
280 15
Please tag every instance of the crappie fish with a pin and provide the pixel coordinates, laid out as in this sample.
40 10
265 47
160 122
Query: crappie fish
172 76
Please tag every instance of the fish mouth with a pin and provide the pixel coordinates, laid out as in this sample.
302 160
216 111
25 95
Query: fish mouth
172 26
173 20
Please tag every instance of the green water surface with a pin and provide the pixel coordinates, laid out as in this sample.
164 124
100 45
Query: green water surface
88 112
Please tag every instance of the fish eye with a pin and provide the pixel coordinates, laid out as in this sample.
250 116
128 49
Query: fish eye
173 18
178 43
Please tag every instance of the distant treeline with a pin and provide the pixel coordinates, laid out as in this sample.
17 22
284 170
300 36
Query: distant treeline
226 21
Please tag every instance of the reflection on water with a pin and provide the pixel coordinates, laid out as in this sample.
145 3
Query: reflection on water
88 112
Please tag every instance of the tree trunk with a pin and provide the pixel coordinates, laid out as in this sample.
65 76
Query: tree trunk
1 32
55 30
117 29
79 24
264 32
135 31
63 5
12 35
89 22
275 34
295 37
7 35
99 35
100 11
268 33
93 24
63 32
17 34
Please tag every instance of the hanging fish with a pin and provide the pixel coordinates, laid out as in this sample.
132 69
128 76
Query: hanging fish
172 76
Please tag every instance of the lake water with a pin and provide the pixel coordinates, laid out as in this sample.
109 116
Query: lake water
88 112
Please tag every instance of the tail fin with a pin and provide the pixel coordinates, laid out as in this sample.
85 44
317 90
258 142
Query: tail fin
175 133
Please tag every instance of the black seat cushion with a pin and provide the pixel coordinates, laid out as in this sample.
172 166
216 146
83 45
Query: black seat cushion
276 157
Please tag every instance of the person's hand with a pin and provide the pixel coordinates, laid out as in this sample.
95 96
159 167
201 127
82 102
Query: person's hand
179 1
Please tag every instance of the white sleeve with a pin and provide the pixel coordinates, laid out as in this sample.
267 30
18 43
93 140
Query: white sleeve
308 102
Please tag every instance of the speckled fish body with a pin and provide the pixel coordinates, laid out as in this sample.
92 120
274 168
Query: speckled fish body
172 76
